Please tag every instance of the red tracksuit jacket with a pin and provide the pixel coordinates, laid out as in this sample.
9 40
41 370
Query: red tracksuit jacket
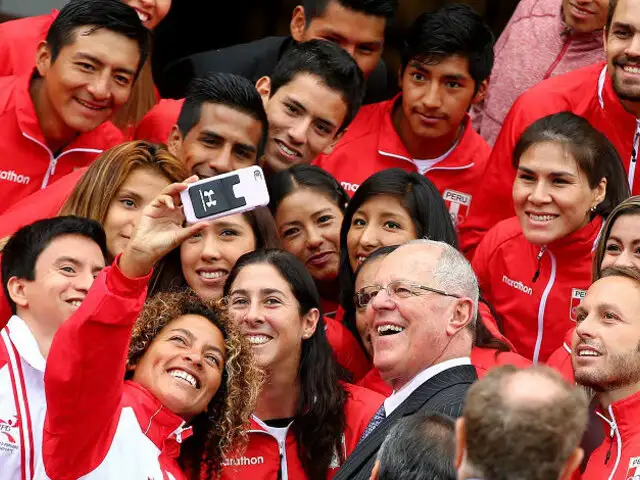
156 125
536 314
267 458
561 358
98 425
371 144
618 457
19 42
587 92
26 163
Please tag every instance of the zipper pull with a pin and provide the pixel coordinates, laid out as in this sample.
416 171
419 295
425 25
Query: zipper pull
280 447
539 258
608 455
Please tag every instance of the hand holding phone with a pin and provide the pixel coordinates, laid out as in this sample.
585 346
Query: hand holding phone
226 194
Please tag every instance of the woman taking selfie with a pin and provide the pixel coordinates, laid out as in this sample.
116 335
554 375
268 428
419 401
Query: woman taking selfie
308 206
534 266
190 382
307 421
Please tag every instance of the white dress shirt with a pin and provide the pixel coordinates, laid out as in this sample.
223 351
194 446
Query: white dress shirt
397 397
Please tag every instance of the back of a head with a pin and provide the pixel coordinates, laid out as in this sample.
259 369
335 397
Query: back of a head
331 64
419 447
21 252
376 8
454 29
228 89
113 15
523 423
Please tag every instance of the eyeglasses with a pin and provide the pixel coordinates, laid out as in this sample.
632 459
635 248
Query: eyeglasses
398 289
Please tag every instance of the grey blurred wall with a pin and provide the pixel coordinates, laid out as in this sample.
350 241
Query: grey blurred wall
23 8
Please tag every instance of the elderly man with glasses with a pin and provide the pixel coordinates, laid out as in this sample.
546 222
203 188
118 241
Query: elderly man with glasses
421 312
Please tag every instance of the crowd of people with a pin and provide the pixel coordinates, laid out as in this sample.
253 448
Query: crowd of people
444 285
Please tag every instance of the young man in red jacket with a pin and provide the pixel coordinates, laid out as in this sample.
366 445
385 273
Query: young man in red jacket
47 270
447 58
606 358
310 98
56 119
607 95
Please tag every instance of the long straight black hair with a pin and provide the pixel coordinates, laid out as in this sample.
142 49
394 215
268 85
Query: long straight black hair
320 418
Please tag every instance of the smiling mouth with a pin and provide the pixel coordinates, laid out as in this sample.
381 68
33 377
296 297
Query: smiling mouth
541 218
388 330
144 17
185 377
212 275
74 303
288 151
257 339
95 108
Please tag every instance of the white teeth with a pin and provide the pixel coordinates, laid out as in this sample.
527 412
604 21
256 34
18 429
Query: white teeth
212 275
181 374
258 339
361 259
144 17
630 69
541 218
383 329
588 353
75 303
287 150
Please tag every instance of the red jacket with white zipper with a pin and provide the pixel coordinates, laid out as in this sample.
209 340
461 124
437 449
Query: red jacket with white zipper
587 92
268 458
618 456
26 163
371 144
561 358
535 289
97 425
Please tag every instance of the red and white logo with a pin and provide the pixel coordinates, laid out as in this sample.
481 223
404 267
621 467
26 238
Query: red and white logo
458 204
633 471
9 435
577 296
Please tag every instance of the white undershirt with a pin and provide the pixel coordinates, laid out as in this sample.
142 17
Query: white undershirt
397 397
427 164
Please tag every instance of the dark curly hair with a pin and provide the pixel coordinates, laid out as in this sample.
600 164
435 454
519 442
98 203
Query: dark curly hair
223 427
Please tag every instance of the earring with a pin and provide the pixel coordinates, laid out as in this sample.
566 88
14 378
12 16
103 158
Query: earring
593 209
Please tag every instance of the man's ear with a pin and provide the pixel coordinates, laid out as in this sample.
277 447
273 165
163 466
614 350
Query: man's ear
461 441
375 470
43 58
263 85
298 24
17 291
329 148
461 317
572 464
174 142
481 94
310 322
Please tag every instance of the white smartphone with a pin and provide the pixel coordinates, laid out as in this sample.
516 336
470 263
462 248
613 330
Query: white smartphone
226 194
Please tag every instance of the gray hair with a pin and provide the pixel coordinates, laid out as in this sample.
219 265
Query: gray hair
418 447
453 273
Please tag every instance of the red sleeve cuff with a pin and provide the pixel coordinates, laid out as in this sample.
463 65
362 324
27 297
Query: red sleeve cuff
122 285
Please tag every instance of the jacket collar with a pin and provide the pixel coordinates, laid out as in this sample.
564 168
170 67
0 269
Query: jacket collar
582 240
623 415
610 103
390 144
163 427
25 343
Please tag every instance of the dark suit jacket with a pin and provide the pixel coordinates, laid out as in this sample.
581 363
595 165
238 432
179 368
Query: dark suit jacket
444 393
251 60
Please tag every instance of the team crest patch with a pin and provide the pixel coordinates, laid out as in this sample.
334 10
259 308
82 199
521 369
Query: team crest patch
633 472
9 435
577 296
458 204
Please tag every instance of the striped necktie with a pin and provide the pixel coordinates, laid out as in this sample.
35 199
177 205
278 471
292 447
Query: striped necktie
375 421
